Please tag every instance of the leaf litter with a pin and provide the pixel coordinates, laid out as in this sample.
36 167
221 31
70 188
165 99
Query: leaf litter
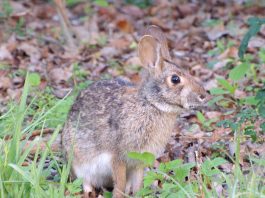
106 37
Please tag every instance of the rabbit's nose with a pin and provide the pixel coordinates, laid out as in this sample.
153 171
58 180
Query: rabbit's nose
204 97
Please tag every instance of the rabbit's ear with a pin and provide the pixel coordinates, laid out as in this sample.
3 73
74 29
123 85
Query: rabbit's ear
157 33
149 51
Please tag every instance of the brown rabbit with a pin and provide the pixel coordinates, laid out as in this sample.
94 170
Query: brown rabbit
114 117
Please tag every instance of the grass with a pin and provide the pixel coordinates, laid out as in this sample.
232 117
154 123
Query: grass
18 179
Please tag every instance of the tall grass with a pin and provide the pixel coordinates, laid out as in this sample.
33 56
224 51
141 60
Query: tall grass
30 180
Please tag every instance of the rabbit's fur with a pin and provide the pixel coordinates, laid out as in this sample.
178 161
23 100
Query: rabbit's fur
114 117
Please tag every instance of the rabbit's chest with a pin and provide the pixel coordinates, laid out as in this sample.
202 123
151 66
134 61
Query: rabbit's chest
157 135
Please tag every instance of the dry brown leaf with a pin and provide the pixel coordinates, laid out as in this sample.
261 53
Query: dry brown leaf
216 32
5 83
120 43
231 52
32 51
187 9
213 114
256 42
125 25
59 75
240 94
5 53
133 11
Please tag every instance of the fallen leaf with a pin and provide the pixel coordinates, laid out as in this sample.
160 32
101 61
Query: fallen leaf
216 32
5 82
59 75
256 42
231 52
133 11
32 51
125 25
109 51
5 53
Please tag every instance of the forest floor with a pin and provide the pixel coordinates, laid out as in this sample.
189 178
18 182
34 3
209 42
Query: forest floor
204 39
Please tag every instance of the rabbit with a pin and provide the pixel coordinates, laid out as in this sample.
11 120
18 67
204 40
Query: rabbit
114 117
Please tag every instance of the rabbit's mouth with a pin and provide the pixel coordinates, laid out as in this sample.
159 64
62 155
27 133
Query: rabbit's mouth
197 107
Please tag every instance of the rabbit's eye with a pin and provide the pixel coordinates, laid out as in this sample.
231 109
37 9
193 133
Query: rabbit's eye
175 79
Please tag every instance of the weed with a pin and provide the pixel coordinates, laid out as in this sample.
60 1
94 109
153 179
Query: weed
17 180
140 3
6 10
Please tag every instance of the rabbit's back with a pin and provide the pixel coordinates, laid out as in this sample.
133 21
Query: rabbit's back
112 116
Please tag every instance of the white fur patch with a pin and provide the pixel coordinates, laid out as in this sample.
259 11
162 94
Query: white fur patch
184 97
167 107
96 172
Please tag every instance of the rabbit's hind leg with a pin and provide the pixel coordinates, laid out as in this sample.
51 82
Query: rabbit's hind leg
89 191
119 178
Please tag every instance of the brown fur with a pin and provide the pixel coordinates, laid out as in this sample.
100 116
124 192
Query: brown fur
114 117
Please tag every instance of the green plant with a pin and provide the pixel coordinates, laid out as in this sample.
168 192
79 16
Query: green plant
102 3
255 25
140 3
221 46
245 112
19 180
176 179
6 10
80 77
72 3
146 157
206 124
211 22
20 27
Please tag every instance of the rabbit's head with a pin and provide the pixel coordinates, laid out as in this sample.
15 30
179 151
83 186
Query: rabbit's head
166 85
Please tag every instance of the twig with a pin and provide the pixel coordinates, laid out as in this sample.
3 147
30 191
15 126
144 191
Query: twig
46 39
65 23
34 134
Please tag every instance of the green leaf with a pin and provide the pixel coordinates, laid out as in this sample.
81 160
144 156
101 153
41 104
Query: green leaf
34 79
140 3
218 91
151 177
75 187
262 55
239 71
135 155
249 130
107 194
259 161
215 100
261 110
217 161
201 117
255 25
210 167
147 158
101 3
166 167
225 84
250 100
24 174
261 95
262 126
